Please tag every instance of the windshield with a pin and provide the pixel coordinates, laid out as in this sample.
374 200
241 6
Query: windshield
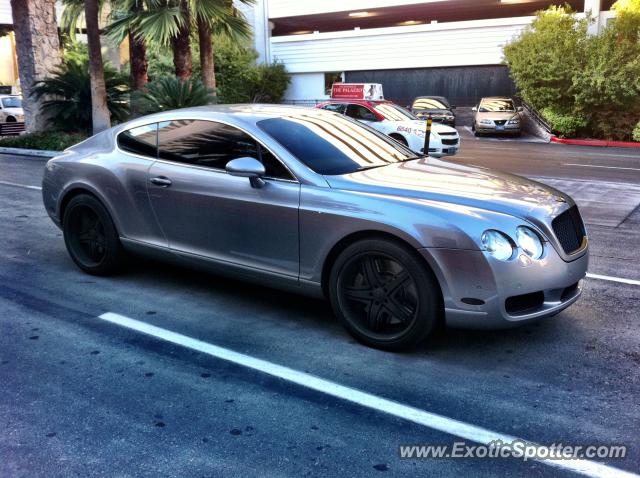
12 102
429 104
334 145
393 112
496 105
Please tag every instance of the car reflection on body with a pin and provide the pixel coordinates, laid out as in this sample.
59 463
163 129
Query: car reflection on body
314 202
497 115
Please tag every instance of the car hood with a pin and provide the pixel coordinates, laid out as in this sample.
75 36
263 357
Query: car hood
436 180
13 111
497 115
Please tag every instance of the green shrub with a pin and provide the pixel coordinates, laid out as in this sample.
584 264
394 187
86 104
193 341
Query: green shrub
51 140
564 125
69 93
636 132
545 57
240 80
170 93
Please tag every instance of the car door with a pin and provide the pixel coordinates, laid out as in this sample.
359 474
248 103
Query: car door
206 212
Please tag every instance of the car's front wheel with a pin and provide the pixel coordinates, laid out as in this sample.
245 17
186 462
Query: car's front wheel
91 237
384 294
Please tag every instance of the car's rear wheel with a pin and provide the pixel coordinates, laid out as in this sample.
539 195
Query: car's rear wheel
11 119
91 237
384 294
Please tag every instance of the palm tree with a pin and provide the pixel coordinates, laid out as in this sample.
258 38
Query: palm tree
73 13
170 23
99 110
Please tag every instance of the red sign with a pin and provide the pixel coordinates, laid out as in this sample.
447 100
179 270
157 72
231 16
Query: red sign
347 91
356 91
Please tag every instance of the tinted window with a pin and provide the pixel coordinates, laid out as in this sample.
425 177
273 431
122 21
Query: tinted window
211 144
334 145
360 112
335 107
141 140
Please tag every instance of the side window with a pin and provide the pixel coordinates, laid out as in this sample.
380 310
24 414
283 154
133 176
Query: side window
213 145
360 112
335 107
140 140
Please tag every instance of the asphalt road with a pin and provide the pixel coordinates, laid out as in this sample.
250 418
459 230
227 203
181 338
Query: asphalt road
84 397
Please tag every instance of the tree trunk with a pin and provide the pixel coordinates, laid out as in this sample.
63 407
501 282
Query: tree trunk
38 51
99 111
138 55
138 62
181 46
207 62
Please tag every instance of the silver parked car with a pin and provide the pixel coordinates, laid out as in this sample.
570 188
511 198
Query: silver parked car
315 202
497 115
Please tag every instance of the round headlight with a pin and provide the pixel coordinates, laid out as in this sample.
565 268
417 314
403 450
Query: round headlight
497 244
529 242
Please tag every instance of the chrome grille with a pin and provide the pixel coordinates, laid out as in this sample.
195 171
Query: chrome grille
569 229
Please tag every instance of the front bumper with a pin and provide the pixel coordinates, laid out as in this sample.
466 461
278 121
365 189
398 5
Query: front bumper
480 291
498 129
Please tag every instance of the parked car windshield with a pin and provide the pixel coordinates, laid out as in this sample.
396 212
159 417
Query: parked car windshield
12 102
334 145
429 104
496 105
393 112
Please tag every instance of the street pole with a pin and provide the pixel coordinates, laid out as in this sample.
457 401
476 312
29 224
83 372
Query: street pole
427 135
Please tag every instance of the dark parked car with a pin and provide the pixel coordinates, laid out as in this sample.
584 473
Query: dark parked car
438 107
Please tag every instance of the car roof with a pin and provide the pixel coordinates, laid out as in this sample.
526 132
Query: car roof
357 102
10 96
496 98
235 113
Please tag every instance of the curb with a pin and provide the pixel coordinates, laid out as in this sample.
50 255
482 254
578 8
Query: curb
30 152
596 142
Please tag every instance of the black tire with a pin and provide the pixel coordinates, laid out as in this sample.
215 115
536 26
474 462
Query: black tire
91 237
400 139
384 294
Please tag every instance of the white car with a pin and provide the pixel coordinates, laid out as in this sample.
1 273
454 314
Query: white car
11 109
400 124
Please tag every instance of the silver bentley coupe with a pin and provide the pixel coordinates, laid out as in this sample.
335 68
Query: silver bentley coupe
314 202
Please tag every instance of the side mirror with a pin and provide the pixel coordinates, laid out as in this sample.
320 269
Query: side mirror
520 108
247 168
474 109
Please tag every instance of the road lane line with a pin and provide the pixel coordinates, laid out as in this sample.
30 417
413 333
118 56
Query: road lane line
15 185
613 279
605 167
421 417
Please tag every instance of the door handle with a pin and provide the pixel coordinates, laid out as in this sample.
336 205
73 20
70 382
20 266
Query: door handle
161 181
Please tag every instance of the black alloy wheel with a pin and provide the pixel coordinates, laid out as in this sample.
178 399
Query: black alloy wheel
385 296
90 236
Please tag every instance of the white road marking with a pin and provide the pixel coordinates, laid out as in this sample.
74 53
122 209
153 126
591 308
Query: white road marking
421 417
5 183
595 166
614 279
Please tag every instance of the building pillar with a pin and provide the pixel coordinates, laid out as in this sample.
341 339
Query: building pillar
593 7
38 51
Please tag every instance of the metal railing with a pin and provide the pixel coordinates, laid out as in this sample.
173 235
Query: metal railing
535 114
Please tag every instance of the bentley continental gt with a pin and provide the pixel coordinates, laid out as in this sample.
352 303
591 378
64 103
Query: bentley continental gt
315 202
